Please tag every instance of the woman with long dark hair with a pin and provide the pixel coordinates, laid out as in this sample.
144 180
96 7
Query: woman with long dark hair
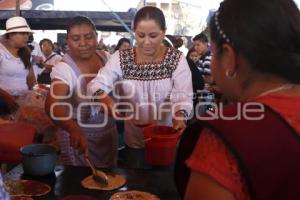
123 43
16 73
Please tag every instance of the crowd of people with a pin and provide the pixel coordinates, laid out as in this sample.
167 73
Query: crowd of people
251 58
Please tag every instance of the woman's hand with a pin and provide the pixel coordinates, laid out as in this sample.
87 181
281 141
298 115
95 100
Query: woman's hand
60 115
179 124
179 120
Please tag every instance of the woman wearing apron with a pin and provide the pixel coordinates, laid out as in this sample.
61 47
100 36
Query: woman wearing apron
83 127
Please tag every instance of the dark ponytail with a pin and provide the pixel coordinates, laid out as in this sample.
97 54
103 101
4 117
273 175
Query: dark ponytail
25 56
265 32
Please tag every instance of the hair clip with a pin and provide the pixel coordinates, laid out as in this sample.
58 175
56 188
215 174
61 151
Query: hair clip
219 29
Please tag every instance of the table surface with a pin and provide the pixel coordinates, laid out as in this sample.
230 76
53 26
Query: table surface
66 181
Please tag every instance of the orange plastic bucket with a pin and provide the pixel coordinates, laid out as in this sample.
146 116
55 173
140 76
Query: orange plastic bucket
160 144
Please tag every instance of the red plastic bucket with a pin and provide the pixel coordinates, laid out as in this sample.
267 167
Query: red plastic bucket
160 144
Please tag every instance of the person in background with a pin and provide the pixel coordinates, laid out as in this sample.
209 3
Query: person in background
102 50
101 45
16 73
111 48
200 43
184 45
208 95
149 74
65 49
87 130
254 155
51 58
57 49
193 55
123 43
197 79
36 52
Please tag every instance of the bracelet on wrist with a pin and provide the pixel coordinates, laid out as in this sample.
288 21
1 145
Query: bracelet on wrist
97 93
182 113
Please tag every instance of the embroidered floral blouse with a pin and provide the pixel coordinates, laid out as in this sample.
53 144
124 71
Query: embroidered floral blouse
149 89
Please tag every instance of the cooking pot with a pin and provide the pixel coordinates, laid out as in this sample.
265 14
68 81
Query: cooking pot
38 159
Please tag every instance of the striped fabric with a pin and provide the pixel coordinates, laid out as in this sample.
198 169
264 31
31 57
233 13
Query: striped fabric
203 64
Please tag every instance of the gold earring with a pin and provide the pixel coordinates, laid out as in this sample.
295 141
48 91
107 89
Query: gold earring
230 76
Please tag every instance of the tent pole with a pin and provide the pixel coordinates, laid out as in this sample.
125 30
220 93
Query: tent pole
17 7
118 18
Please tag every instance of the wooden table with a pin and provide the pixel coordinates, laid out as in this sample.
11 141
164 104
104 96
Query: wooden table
66 181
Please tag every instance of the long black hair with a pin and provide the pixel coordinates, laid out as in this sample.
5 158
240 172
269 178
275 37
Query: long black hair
24 53
265 32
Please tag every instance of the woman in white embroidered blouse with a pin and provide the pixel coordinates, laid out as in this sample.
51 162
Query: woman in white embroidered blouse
154 81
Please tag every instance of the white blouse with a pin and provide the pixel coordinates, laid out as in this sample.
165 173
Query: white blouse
153 91
54 59
65 73
13 74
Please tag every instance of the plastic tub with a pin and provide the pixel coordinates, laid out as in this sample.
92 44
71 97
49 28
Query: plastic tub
160 144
